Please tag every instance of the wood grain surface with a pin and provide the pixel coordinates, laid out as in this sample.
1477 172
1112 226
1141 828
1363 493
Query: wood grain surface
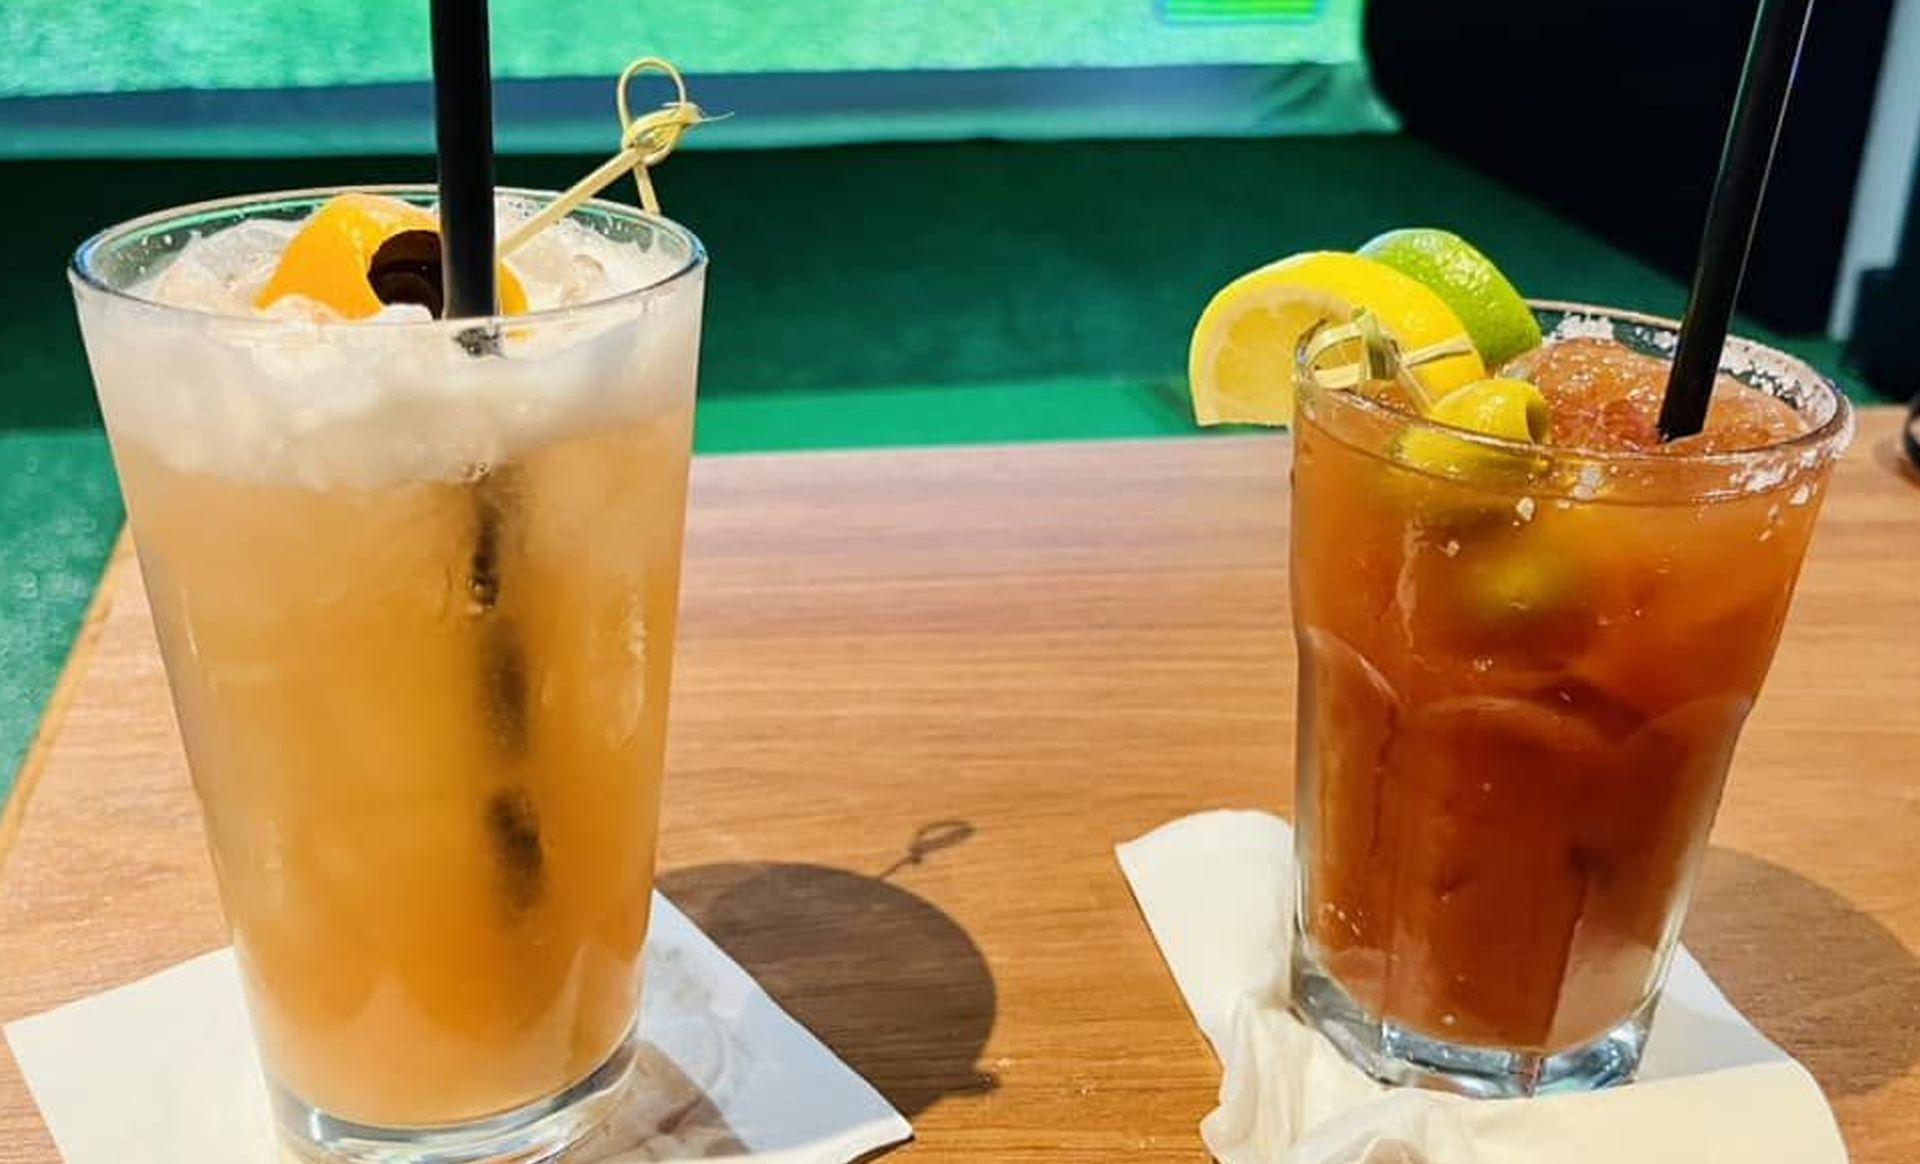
1059 647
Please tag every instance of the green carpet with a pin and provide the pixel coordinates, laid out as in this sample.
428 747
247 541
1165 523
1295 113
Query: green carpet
860 296
58 513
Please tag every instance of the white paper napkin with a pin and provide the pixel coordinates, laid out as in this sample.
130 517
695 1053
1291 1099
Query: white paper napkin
1214 888
163 1071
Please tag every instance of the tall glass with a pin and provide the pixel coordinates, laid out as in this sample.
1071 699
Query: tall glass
417 611
1520 688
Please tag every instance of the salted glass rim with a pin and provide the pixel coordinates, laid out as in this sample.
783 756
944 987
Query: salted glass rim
1824 440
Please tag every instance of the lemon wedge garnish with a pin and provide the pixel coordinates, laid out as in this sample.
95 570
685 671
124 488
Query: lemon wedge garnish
1240 366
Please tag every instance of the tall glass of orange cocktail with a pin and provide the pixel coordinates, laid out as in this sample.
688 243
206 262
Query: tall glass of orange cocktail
416 598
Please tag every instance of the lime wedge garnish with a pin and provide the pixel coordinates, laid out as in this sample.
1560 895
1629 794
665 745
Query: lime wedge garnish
1500 322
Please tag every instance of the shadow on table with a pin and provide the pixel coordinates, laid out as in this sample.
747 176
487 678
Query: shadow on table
1835 988
882 976
662 1116
1889 455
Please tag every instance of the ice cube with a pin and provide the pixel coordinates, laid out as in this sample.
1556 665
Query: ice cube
585 278
224 270
186 283
509 211
401 313
567 263
545 266
300 308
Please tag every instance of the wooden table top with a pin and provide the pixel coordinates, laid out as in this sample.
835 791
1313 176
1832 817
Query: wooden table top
1061 646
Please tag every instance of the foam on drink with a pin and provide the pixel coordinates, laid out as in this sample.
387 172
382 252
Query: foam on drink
293 393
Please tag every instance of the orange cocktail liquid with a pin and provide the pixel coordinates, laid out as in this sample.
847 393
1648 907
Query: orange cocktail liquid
1518 706
426 723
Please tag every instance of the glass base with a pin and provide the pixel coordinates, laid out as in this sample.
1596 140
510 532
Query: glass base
1395 1054
539 1131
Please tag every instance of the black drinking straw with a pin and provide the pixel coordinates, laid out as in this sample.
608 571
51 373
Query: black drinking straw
1772 55
463 133
463 136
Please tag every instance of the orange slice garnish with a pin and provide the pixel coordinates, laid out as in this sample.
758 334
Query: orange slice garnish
328 260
